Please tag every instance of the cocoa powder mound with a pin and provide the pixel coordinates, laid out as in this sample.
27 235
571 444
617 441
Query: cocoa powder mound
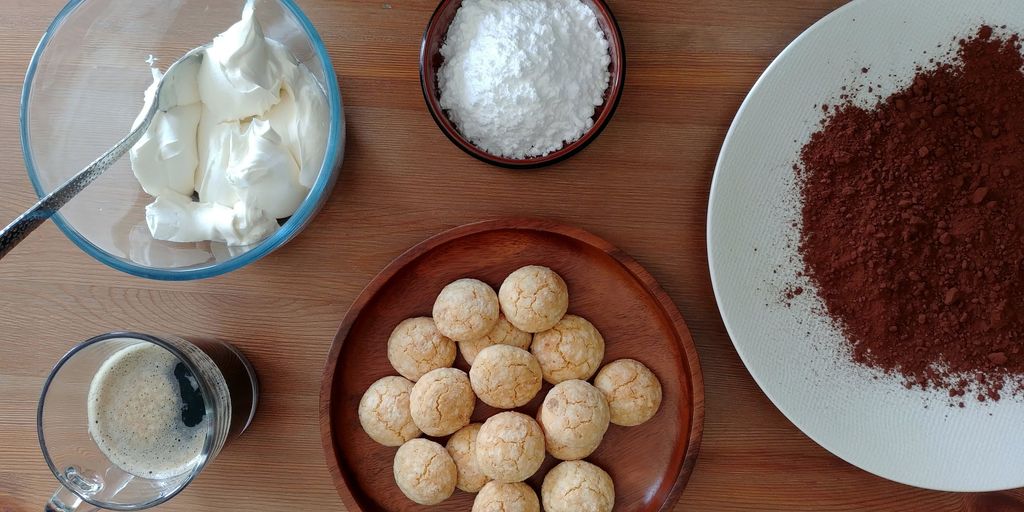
912 222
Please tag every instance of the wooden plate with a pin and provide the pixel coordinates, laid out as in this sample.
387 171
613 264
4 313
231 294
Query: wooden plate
649 463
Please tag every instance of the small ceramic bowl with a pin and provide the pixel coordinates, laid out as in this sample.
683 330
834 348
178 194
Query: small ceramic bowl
431 60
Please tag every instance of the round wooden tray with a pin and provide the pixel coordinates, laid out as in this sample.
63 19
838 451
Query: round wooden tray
649 464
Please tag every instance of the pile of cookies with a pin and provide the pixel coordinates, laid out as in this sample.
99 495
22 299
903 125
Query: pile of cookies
513 340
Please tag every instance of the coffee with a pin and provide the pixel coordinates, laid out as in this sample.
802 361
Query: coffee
147 413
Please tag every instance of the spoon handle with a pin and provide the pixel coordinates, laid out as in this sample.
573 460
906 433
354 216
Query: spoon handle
21 227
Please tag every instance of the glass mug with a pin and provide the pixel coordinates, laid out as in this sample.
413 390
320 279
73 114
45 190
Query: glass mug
127 420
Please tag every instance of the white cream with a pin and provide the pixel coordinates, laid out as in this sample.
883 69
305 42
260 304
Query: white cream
178 218
217 141
265 173
242 72
168 149
303 110
248 139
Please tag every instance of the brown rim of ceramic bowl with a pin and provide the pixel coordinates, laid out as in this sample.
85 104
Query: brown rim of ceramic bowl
429 64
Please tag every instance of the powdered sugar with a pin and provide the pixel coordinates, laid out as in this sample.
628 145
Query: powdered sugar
522 78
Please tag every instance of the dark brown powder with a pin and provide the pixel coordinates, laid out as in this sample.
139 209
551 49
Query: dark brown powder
913 215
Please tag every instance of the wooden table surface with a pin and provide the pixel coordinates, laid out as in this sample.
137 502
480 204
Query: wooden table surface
643 185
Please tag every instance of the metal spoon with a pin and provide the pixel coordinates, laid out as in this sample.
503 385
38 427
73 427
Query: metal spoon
164 100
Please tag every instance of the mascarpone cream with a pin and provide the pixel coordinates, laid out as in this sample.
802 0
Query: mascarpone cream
247 140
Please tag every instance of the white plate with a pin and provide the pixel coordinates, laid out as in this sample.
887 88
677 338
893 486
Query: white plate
795 355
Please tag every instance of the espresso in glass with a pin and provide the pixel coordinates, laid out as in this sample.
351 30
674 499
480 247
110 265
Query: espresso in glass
127 420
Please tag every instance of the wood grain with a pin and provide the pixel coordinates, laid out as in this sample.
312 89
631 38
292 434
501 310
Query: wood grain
649 463
643 185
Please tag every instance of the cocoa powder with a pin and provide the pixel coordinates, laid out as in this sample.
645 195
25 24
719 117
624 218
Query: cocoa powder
912 222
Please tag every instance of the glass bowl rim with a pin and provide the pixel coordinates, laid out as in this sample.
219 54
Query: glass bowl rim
307 209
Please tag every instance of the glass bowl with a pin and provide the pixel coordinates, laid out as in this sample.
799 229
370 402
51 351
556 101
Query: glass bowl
430 62
83 90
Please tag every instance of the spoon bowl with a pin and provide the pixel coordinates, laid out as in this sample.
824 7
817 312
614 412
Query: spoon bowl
167 87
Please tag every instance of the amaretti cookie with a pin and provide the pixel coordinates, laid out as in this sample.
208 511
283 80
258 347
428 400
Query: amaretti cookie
424 472
442 401
462 448
510 447
572 349
505 377
577 485
503 497
534 298
416 346
466 309
632 391
503 333
384 412
574 417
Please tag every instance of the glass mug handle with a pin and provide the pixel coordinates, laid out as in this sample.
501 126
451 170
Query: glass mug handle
65 500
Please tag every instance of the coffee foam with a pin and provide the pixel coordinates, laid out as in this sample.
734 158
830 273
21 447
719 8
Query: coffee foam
135 414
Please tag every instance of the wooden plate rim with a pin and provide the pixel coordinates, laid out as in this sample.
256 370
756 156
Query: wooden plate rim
668 307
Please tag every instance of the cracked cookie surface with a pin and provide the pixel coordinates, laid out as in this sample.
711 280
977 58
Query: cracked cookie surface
534 298
416 347
506 497
573 486
572 349
442 401
462 448
466 309
632 390
574 417
503 333
384 412
510 447
505 377
424 472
